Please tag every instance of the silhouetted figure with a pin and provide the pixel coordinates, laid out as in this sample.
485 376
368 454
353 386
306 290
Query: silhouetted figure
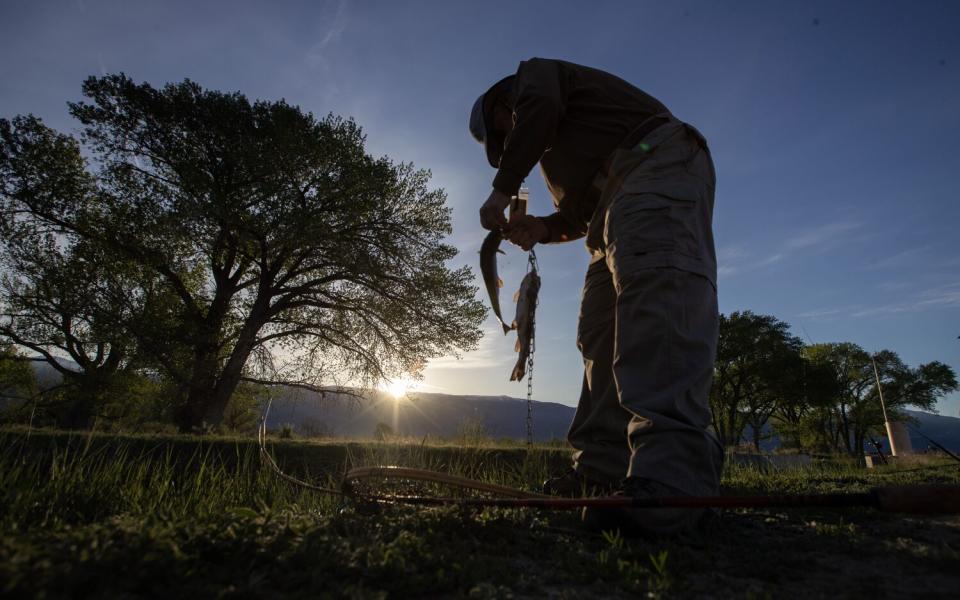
638 184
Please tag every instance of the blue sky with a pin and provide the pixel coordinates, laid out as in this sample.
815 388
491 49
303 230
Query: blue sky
833 128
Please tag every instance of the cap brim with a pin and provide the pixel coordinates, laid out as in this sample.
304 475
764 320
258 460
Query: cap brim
492 143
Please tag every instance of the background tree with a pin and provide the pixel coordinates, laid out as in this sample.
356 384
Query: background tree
18 382
62 297
752 355
243 411
773 384
807 388
292 254
382 432
855 413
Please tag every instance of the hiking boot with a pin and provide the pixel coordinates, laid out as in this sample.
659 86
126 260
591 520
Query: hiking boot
573 484
646 522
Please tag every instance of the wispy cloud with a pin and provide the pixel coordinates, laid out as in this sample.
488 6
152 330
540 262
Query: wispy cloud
725 270
894 286
728 258
491 352
953 261
769 260
941 298
905 258
821 313
822 235
946 296
317 54
735 259
725 253
936 298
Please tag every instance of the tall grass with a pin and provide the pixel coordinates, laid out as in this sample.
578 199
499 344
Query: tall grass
51 479
63 482
839 475
57 479
513 467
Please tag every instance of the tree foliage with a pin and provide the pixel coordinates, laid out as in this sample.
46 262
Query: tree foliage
854 414
71 304
808 389
17 379
753 353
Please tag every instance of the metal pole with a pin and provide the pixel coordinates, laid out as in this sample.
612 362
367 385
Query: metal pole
883 407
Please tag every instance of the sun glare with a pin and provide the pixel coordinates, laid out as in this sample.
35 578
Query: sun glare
398 388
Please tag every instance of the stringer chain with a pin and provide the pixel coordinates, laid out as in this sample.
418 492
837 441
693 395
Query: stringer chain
531 266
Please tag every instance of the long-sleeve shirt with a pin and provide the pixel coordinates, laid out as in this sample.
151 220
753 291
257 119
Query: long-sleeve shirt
569 118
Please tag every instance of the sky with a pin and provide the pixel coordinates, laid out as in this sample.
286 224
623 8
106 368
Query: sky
833 127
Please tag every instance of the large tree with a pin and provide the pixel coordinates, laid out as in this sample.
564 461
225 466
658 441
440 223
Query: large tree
293 254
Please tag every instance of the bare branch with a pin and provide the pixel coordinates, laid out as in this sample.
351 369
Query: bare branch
302 385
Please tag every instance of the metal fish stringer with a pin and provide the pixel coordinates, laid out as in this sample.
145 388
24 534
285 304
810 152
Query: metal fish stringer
531 266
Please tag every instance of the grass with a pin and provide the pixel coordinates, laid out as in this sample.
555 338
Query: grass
169 516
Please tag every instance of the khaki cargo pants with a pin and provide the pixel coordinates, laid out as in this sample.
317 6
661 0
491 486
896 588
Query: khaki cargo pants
648 319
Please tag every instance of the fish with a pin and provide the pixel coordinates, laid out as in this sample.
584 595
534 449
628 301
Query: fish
526 299
488 268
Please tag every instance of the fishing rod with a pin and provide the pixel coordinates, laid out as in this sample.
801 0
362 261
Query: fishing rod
914 499
268 459
933 442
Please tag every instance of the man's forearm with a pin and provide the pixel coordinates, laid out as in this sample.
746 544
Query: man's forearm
560 230
538 103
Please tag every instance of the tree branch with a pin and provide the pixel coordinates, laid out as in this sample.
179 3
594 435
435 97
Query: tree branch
322 390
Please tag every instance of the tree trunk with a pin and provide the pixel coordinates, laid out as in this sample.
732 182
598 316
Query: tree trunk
732 427
233 371
845 429
191 415
84 396
211 391
80 411
226 386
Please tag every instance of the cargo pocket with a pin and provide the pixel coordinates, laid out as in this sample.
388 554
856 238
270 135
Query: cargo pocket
639 225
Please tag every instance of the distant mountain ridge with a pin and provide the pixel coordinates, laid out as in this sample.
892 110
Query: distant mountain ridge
423 413
419 414
502 416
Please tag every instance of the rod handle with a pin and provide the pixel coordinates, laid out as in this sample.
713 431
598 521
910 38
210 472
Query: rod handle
918 499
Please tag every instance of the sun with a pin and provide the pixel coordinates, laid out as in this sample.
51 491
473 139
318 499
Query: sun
400 387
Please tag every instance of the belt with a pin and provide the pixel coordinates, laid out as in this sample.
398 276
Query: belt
633 138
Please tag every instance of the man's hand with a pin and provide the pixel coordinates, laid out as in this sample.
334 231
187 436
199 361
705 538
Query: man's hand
491 213
526 231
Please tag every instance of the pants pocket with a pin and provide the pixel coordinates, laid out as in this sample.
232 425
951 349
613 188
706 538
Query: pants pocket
641 224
